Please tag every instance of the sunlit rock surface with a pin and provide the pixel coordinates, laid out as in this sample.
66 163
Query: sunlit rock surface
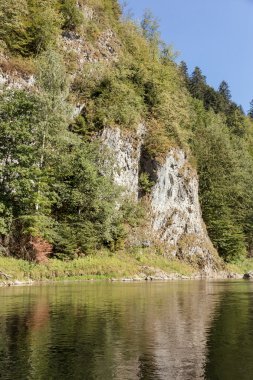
175 213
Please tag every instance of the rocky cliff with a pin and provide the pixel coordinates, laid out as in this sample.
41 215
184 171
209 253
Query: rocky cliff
172 204
175 218
174 212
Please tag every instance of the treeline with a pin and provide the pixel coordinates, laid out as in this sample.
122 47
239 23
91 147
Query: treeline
56 193
222 145
219 101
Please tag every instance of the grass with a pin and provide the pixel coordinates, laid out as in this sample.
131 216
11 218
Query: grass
105 265
241 267
97 266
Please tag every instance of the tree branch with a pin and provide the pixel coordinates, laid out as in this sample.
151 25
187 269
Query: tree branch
7 276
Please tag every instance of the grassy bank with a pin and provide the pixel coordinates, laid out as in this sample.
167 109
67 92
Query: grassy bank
104 265
100 265
241 267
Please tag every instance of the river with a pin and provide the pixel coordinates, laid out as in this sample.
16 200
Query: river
98 330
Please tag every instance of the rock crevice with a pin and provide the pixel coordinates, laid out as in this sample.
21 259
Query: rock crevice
173 201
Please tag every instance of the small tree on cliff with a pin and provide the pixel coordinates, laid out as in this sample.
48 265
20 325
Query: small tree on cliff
150 29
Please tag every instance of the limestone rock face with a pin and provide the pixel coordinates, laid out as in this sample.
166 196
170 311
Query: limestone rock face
126 152
14 79
175 213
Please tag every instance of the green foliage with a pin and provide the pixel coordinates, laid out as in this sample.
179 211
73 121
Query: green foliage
52 77
116 103
29 26
25 186
45 24
73 17
14 25
183 70
250 112
51 179
53 184
236 121
145 184
225 91
113 96
150 29
225 177
86 201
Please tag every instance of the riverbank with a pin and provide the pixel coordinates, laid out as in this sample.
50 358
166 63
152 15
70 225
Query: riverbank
104 265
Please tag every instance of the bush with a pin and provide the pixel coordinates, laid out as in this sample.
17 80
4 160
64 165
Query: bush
72 16
29 26
14 17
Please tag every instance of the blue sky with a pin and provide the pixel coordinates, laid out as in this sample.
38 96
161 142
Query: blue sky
216 35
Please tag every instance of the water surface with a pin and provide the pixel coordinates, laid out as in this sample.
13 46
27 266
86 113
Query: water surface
174 330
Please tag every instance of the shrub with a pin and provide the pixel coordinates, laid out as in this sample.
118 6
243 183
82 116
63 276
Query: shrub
72 15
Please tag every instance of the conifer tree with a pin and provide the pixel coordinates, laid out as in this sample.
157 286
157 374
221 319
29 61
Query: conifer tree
250 112
198 84
225 91
184 69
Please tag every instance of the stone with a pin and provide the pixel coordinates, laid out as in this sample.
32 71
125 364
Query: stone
175 213
248 276
126 151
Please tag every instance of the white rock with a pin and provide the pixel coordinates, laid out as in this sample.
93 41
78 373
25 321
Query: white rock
175 217
176 211
126 152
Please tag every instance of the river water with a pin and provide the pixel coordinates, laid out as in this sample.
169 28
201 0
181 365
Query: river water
170 330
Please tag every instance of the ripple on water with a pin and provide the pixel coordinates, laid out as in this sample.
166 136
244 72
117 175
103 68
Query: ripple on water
173 330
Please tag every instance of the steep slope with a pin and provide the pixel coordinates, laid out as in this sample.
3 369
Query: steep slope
106 142
173 203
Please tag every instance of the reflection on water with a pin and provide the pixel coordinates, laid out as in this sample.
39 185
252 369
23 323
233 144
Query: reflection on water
176 330
230 339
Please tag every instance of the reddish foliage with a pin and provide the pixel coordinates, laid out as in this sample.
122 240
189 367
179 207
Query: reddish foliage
31 248
41 249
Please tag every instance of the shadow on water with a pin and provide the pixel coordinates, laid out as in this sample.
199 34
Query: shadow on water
177 330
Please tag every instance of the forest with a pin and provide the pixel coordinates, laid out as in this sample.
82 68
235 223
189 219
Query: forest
57 195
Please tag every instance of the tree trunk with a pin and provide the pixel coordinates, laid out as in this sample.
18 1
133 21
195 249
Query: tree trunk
7 276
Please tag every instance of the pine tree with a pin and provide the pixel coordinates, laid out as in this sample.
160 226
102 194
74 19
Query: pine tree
225 91
250 112
198 84
211 99
184 69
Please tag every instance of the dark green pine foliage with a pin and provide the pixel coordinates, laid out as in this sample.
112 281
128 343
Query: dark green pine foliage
211 99
225 91
250 112
224 98
236 120
197 84
183 69
225 169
